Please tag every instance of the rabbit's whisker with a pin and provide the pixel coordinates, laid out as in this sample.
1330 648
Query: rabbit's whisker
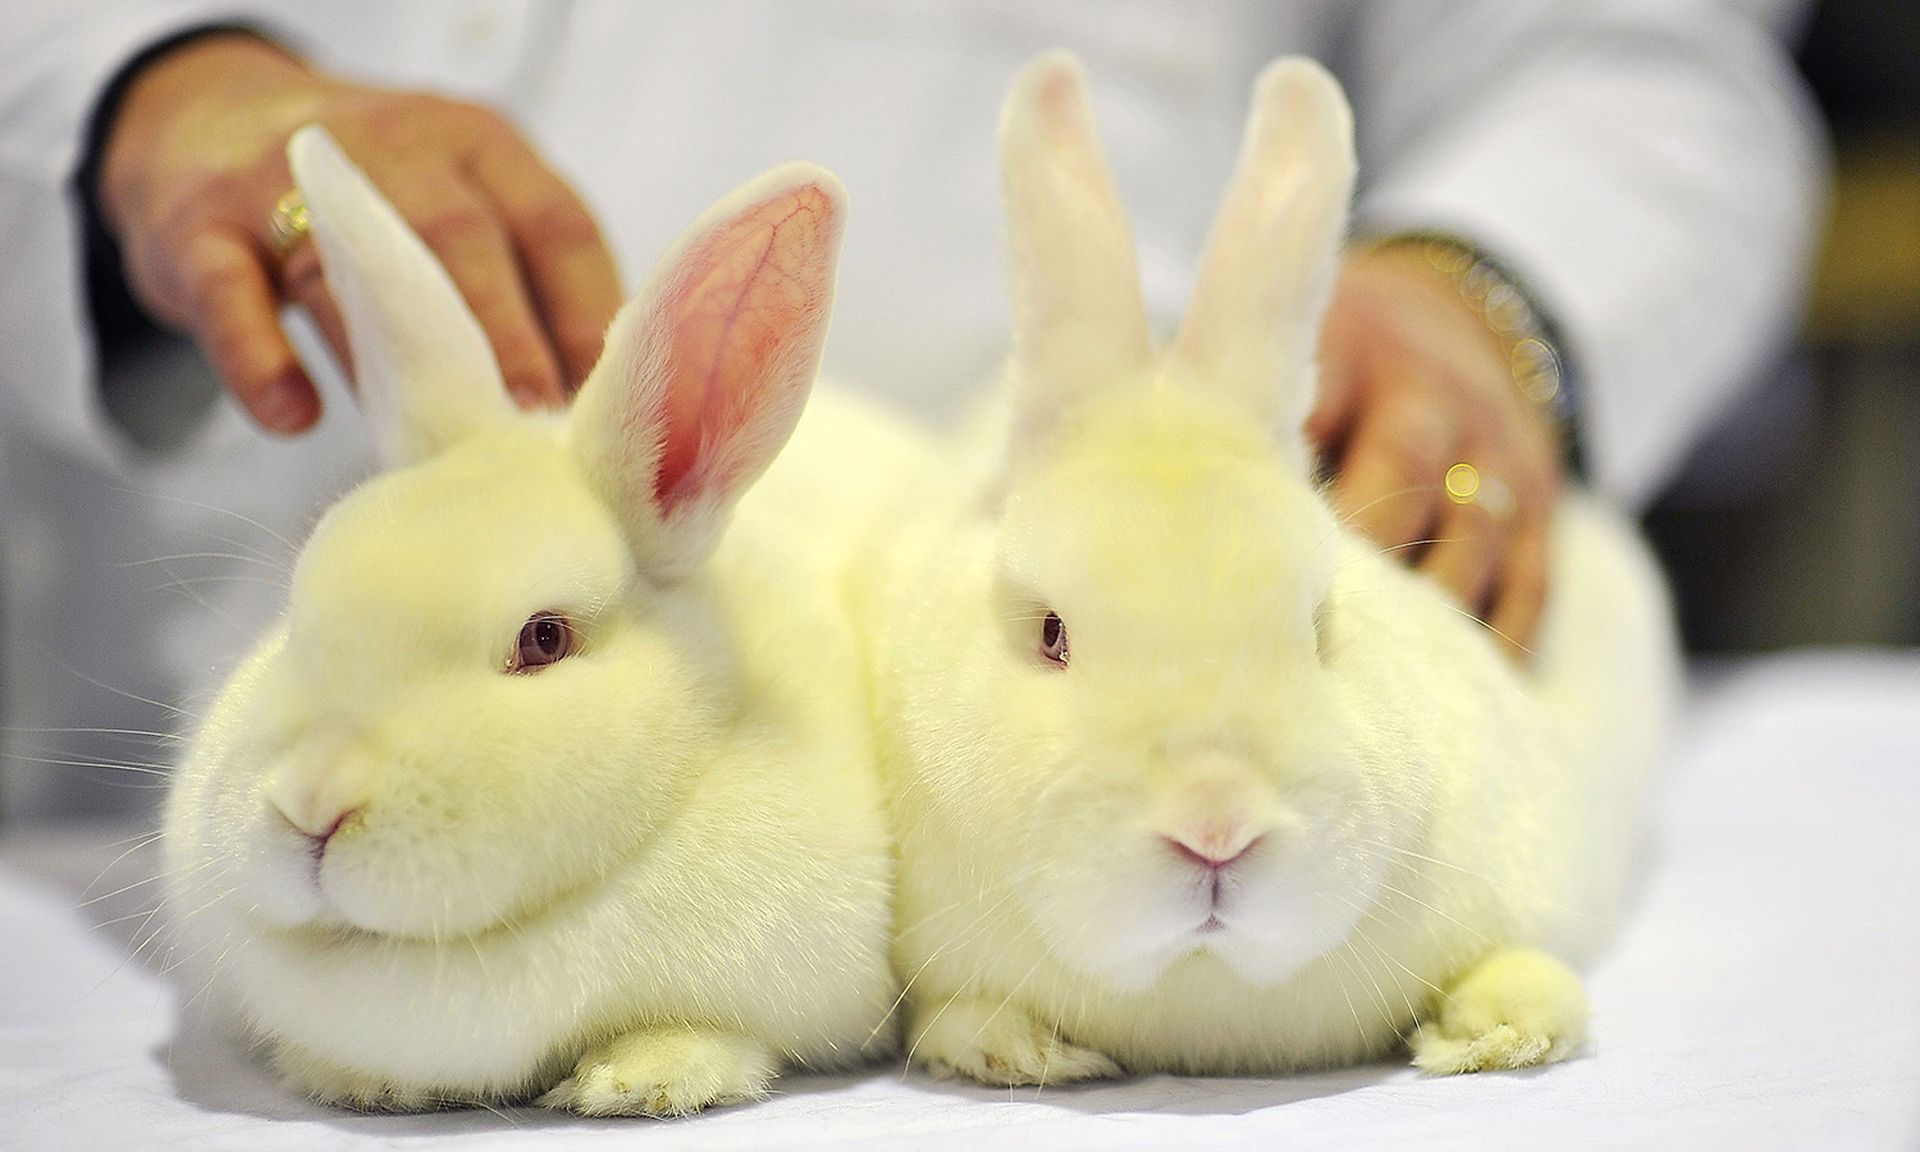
184 586
1347 518
1007 999
143 768
247 520
1463 612
208 903
187 583
132 952
1503 885
1046 1057
122 890
141 733
1360 1030
213 972
135 843
966 936
906 1065
482 1102
1413 1014
134 696
1418 544
1370 914
1357 966
1404 895
183 556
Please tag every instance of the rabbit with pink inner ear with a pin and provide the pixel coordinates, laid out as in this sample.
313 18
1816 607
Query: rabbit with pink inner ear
544 787
1185 775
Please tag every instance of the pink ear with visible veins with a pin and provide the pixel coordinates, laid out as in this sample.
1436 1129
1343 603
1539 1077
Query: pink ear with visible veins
706 371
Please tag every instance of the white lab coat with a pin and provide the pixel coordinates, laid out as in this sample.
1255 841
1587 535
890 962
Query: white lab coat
1651 167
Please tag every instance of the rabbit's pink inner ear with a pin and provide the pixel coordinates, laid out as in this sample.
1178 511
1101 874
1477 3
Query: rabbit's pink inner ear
744 324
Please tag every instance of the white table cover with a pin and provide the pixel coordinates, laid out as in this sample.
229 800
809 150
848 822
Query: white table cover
1764 993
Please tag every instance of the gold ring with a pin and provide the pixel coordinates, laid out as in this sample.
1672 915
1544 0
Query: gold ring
1466 485
288 225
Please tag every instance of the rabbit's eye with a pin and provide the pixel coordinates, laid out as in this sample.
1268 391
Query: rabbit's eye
546 638
1053 639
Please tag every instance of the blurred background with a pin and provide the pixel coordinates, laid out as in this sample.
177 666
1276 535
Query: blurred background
1797 524
1800 523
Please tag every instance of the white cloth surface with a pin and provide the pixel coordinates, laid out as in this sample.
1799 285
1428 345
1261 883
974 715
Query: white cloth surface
1762 995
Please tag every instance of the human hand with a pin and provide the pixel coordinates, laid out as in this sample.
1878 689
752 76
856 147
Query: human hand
1412 382
195 160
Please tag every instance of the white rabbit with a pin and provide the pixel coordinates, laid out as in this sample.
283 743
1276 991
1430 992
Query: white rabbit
1186 775
533 790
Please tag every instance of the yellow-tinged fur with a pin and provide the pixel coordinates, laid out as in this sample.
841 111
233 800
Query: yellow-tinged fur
639 880
1442 830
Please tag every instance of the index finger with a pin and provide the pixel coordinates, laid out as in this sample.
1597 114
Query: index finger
568 266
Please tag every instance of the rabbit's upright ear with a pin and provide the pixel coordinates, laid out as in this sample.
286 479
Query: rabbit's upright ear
706 371
1254 321
425 372
1078 320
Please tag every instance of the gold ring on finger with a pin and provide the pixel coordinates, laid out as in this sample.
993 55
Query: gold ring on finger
288 226
1467 485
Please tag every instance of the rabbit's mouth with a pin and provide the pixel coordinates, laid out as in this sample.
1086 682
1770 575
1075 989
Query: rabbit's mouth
1215 882
1265 909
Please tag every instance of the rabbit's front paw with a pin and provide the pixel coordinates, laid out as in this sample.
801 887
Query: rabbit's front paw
1000 1044
331 1083
1514 1009
665 1072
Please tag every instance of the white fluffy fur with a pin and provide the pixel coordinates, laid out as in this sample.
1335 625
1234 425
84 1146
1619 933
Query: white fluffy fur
639 880
1442 832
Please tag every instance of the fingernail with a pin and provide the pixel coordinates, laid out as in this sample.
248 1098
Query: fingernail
285 406
525 396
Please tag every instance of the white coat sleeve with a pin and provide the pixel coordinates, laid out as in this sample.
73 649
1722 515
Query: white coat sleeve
1652 168
56 60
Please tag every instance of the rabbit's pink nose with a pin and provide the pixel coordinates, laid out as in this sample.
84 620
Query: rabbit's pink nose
1212 852
318 824
326 833
317 800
